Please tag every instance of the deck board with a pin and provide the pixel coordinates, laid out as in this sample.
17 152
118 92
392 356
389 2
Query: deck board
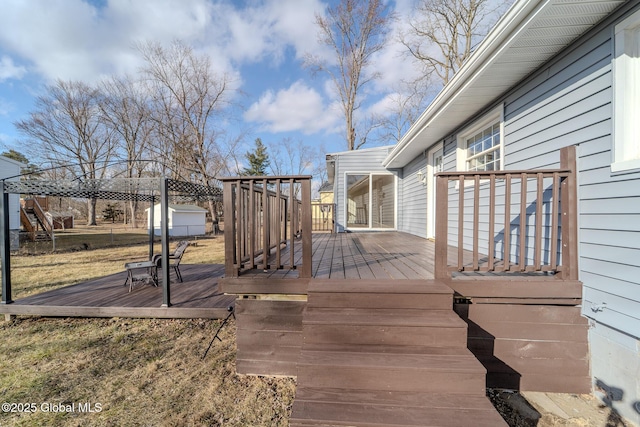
379 255
198 297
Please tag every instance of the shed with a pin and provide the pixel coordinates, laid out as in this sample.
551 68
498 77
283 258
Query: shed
10 168
184 220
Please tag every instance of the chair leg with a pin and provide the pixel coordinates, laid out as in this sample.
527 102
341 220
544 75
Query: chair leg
178 273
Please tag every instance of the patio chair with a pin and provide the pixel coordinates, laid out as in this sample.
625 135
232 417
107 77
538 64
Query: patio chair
174 258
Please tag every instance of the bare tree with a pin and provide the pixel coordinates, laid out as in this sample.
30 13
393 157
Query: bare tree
66 122
291 157
188 99
354 30
403 107
444 32
126 111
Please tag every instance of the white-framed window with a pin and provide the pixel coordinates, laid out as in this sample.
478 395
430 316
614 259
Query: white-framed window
626 95
370 200
480 146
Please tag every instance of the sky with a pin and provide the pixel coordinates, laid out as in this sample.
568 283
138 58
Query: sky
261 43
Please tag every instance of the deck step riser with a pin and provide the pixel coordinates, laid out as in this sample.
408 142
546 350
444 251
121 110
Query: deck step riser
377 300
392 379
388 335
325 413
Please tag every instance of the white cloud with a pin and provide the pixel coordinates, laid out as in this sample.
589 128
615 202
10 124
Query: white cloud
74 39
298 108
8 70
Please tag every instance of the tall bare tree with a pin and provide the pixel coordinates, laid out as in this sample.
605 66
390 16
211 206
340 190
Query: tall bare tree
444 32
125 109
295 157
189 100
66 122
354 30
403 107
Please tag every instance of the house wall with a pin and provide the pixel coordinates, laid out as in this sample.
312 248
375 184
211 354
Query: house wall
569 102
359 161
413 199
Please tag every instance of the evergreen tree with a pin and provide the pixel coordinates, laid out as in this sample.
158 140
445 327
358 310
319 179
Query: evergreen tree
258 160
112 212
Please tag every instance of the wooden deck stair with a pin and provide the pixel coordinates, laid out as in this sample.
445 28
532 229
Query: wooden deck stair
381 354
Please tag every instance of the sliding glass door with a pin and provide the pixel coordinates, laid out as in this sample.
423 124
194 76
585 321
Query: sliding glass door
371 201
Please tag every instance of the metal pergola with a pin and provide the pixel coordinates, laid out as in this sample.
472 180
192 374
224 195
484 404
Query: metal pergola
128 189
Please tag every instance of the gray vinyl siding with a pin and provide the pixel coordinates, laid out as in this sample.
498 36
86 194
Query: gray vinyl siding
359 161
569 102
412 208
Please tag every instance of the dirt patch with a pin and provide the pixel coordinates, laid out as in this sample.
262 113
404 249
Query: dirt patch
535 409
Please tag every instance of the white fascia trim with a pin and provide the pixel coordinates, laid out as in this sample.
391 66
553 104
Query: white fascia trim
361 150
507 28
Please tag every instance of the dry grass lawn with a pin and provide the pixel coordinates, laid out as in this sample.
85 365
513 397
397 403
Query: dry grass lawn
141 372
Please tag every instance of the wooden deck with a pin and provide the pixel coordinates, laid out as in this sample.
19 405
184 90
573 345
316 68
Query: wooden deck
197 297
376 255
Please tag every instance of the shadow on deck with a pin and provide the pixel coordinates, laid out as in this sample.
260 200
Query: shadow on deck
197 297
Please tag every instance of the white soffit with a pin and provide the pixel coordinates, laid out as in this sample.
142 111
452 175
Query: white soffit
527 36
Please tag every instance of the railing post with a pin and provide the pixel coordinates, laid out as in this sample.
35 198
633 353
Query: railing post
152 225
5 245
569 202
164 223
442 210
229 230
305 271
266 221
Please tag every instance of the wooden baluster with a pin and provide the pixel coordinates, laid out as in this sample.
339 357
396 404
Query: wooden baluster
538 239
252 225
492 221
506 250
555 206
476 221
523 221
277 221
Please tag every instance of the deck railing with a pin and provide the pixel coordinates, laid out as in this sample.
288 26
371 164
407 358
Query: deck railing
262 216
508 221
323 216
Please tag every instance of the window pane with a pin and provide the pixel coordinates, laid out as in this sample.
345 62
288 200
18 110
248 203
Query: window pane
481 149
357 201
383 201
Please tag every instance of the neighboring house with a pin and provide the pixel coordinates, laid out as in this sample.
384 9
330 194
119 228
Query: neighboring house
326 193
551 74
11 169
184 220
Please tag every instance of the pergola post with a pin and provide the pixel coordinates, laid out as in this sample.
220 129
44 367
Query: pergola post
152 229
5 246
164 225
